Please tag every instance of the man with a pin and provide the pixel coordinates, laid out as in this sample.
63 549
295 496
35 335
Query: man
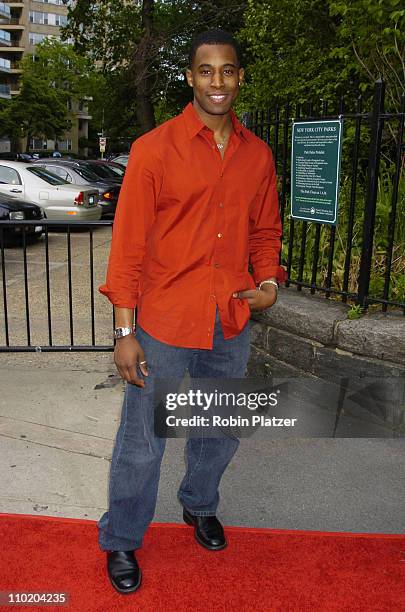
197 204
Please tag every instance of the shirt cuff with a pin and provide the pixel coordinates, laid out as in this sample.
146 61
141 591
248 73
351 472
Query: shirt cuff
278 272
119 299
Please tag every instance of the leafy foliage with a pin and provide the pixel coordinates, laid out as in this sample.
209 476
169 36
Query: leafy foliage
50 78
110 33
372 43
308 49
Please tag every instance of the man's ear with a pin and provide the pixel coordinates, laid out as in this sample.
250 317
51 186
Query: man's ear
189 77
241 75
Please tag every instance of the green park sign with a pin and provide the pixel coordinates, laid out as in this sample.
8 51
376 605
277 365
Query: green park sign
315 169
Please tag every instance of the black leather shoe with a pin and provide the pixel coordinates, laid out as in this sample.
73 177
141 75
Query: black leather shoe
123 571
208 530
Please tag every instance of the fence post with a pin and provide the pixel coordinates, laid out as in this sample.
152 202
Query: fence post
376 124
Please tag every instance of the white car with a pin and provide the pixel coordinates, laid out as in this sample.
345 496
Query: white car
58 199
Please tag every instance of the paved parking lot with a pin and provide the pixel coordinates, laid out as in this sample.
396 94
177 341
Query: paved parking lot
59 289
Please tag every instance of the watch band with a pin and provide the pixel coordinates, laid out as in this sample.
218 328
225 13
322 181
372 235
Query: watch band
269 282
120 332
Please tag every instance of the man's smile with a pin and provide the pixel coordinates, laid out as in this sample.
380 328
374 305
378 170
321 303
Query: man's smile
218 98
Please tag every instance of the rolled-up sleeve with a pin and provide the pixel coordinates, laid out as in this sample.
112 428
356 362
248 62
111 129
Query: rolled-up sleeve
135 213
265 229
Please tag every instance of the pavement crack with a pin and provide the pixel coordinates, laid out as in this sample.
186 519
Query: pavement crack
79 433
41 501
65 450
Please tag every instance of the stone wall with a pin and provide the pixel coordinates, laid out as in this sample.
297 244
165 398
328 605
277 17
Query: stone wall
308 337
308 334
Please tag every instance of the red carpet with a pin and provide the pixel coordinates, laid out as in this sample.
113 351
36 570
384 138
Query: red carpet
261 570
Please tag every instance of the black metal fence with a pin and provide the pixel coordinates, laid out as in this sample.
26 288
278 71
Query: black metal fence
363 257
55 309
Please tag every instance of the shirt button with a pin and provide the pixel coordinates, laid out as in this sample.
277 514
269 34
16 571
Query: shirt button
219 235
216 265
213 297
221 205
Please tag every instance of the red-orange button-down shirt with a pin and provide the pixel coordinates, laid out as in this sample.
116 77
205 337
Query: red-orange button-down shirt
186 227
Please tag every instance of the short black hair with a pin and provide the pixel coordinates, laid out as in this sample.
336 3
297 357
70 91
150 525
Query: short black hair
215 36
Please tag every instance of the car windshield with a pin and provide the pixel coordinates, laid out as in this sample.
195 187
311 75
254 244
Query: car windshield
87 174
47 176
102 170
118 169
121 160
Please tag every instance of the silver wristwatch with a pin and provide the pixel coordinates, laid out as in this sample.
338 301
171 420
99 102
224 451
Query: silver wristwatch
120 332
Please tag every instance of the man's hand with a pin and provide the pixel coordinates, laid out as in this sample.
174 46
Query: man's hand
128 355
259 299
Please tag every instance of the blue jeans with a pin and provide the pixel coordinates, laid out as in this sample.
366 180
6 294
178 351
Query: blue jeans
137 454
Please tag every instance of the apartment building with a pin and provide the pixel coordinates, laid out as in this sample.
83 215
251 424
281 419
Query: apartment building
5 64
23 24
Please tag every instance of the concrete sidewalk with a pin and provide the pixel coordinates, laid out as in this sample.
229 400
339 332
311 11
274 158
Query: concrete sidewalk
58 417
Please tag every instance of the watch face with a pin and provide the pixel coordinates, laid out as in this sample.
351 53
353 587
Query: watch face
120 332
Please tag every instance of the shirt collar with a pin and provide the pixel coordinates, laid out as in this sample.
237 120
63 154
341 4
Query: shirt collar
194 124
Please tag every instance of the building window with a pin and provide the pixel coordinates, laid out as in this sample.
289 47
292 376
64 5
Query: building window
57 2
48 18
60 20
65 145
5 63
6 36
6 11
36 38
38 143
37 17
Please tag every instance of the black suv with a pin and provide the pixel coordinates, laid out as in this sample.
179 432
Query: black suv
23 157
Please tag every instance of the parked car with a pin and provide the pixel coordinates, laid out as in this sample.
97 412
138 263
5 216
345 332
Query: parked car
58 199
25 157
13 209
121 159
77 173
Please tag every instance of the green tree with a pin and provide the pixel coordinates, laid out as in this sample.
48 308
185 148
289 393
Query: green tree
371 42
301 49
50 78
39 110
288 47
8 126
140 48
